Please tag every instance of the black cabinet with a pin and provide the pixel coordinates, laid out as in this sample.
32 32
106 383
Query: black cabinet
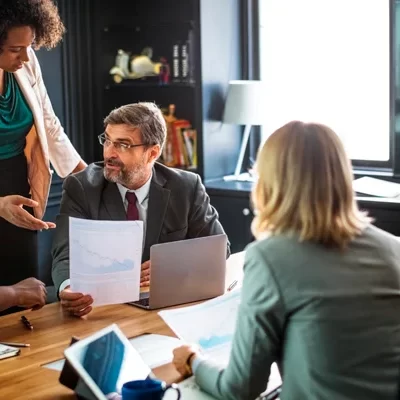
235 216
232 201
385 212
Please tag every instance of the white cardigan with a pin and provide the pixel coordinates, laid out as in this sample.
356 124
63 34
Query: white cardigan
47 141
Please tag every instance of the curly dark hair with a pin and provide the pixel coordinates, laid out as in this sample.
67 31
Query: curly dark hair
41 15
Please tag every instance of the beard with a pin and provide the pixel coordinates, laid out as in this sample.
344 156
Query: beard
126 176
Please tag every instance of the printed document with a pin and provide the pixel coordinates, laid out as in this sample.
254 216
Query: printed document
154 349
105 259
376 187
211 325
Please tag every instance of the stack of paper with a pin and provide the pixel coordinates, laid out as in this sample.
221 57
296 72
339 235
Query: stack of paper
376 187
8 351
154 349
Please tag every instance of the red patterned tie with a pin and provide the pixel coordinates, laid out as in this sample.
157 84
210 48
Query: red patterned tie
132 212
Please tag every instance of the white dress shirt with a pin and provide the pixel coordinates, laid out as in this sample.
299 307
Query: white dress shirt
142 203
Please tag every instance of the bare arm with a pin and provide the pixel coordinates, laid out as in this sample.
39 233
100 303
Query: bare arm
81 166
29 293
257 341
7 297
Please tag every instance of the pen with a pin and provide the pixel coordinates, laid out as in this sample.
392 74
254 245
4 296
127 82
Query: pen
274 394
26 322
16 344
232 285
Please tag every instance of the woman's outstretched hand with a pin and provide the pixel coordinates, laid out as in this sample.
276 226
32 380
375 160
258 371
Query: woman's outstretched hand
11 209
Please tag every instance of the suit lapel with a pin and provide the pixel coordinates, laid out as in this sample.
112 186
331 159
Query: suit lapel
113 203
158 202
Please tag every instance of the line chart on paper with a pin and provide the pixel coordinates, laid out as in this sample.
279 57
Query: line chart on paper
92 261
105 259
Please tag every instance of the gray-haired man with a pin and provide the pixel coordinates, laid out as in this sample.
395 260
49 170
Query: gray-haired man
172 204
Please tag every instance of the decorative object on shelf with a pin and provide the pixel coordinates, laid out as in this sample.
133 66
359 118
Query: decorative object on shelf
180 149
134 67
164 74
244 105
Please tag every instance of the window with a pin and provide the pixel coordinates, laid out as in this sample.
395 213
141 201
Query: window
329 61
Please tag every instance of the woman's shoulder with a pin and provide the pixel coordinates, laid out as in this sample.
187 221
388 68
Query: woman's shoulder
375 238
275 243
32 68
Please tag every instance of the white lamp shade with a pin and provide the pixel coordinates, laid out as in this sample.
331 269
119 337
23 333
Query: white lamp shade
245 103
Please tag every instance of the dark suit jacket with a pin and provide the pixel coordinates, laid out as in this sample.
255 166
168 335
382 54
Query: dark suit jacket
179 208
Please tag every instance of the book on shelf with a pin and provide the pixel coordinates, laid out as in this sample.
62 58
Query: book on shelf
180 148
183 60
8 351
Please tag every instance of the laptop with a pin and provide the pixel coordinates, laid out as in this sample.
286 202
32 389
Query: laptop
185 271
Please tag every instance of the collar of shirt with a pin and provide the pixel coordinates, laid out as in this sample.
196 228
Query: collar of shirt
141 194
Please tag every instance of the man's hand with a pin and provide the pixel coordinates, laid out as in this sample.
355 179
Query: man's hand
75 303
30 293
11 209
145 274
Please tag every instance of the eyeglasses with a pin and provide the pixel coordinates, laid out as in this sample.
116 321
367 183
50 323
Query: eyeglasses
119 146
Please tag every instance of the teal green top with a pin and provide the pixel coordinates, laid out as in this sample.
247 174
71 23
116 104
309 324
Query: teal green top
16 119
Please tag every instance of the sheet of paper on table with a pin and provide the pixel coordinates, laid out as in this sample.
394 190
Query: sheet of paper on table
154 349
105 259
376 187
211 326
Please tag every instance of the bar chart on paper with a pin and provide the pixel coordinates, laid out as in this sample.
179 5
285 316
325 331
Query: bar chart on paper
210 325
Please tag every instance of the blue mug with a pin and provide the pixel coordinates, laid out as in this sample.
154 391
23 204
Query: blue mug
147 389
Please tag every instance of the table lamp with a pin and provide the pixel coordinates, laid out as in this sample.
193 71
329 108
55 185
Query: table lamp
244 105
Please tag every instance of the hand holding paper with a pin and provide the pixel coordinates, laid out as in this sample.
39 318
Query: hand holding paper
105 261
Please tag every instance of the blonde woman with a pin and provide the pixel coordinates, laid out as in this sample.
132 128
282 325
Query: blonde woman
321 289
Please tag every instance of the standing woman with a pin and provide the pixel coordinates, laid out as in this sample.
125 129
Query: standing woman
321 288
31 135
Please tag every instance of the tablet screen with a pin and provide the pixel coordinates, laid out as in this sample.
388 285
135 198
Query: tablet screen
107 360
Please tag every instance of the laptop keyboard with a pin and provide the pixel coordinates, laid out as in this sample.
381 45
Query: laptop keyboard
143 302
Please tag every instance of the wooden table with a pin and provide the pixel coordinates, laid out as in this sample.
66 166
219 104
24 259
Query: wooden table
23 377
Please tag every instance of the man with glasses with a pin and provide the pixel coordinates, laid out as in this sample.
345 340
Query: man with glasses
130 184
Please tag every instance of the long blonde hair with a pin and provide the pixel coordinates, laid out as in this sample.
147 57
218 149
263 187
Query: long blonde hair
304 187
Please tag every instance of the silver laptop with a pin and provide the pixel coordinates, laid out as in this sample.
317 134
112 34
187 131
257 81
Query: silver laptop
185 271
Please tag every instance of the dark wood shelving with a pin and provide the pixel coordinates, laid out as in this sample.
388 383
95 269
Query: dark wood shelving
131 84
136 26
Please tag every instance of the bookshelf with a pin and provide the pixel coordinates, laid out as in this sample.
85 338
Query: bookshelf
210 31
83 92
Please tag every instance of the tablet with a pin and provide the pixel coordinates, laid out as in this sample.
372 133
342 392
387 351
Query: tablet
105 361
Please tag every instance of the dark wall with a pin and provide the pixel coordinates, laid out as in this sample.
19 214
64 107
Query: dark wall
220 63
51 65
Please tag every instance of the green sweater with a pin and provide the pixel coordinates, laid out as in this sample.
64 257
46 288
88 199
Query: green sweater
330 319
16 119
